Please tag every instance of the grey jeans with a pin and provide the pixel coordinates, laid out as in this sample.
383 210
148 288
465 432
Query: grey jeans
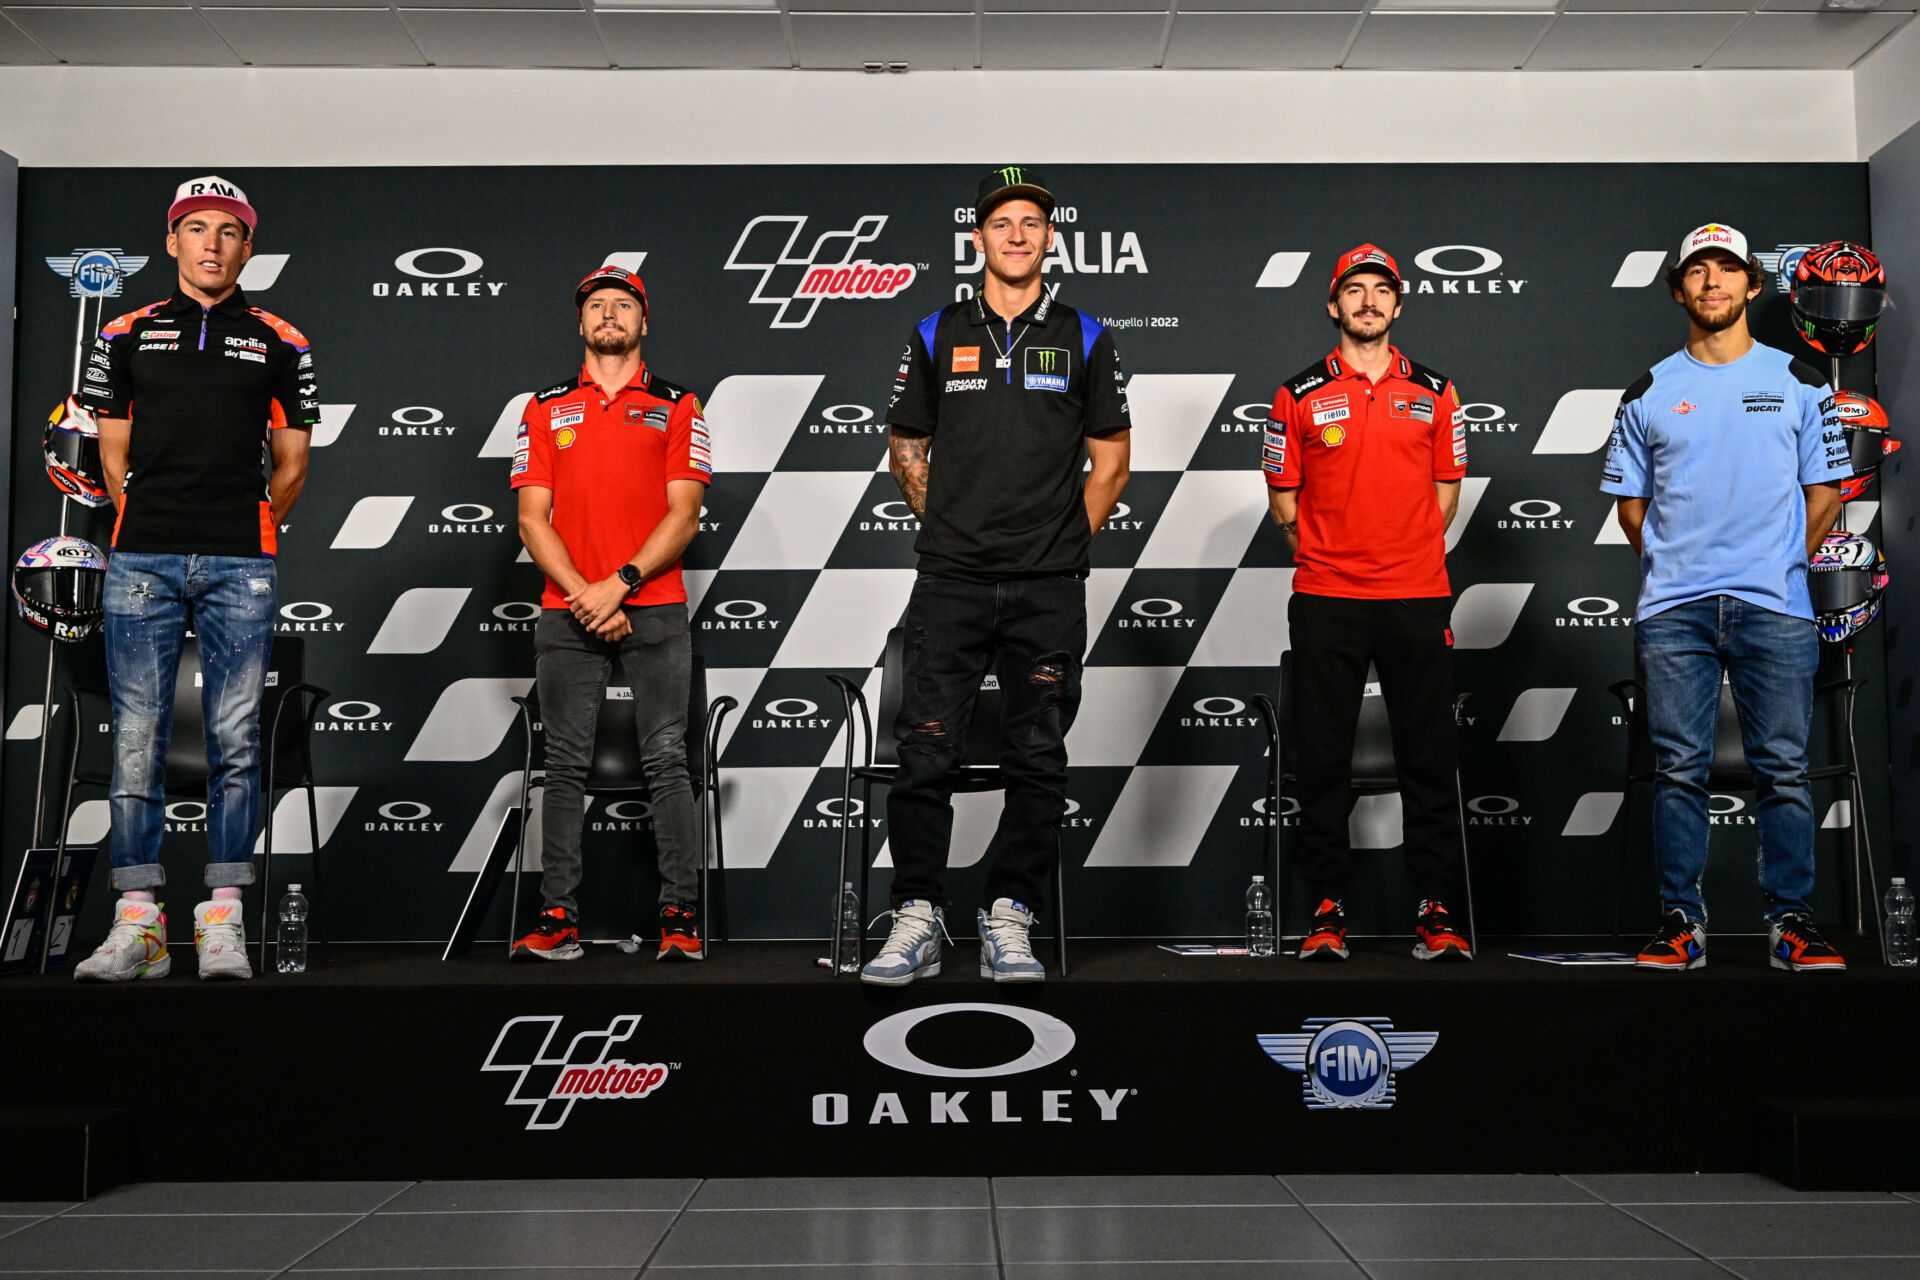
572 666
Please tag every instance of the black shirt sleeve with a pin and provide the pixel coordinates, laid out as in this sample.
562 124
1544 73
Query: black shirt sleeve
1106 410
916 389
295 390
107 386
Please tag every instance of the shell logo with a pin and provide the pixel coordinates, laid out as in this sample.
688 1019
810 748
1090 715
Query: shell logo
1333 435
564 437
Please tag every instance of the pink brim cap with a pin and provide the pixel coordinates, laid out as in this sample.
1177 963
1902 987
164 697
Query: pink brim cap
211 192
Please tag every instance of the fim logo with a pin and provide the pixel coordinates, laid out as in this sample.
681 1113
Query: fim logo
1781 262
1348 1063
95 273
550 1083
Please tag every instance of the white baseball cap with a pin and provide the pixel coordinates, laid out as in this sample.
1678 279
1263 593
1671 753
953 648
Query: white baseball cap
1714 235
211 192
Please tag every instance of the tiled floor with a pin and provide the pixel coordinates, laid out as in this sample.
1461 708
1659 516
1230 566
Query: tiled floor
1611 1227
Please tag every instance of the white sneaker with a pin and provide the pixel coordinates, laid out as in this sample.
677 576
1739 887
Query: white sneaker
1006 949
221 940
912 948
136 947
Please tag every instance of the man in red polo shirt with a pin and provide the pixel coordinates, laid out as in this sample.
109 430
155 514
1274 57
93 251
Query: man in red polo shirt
611 467
1363 457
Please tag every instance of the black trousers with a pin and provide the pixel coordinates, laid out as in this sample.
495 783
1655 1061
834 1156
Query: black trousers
1409 645
1030 634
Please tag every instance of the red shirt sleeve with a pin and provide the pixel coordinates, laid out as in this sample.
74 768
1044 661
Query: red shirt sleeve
532 451
1280 456
689 451
1449 436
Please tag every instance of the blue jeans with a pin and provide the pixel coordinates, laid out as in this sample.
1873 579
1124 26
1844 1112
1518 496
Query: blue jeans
1769 659
151 600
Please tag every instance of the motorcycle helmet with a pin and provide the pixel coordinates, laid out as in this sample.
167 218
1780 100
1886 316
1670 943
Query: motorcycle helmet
1869 438
72 445
59 586
1839 290
1846 579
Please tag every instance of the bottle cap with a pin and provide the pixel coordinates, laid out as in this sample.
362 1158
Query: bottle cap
293 888
1259 879
1899 879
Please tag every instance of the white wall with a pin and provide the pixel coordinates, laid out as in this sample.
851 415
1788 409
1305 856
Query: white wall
201 118
1886 90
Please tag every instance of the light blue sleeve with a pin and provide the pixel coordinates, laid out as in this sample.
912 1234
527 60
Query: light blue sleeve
1823 442
1626 472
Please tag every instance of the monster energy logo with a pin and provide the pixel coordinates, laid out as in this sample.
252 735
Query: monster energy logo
1046 360
1012 176
1046 369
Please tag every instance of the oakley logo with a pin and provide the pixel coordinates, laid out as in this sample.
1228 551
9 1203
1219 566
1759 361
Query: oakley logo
410 263
886 1041
437 277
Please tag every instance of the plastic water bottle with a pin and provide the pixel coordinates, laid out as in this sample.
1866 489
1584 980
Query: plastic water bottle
290 943
1900 940
850 930
1259 918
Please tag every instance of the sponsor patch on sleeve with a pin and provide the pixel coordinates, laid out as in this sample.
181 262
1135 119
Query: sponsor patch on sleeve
1273 453
1459 444
699 446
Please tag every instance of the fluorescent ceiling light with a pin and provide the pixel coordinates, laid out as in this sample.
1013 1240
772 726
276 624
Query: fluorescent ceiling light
683 6
1468 6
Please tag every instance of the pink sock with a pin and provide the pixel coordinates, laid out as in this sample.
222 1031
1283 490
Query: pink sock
227 893
139 895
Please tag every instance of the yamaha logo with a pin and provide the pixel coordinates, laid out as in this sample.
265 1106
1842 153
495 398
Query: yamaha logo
466 517
1156 612
418 420
740 615
439 272
1348 1064
1036 1042
1533 513
1594 611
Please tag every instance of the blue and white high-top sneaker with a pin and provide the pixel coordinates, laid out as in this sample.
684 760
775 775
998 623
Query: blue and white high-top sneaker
1006 955
912 948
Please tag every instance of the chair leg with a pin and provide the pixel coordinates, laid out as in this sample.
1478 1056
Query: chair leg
1059 908
720 857
319 881
706 880
841 880
267 917
866 862
1466 865
1621 863
520 848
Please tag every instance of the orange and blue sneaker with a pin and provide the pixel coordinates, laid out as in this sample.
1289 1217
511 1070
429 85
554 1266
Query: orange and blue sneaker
1435 935
1327 938
1680 944
1793 943
554 937
136 946
679 933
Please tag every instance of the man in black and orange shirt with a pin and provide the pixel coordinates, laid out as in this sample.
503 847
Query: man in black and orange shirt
611 467
1363 457
205 407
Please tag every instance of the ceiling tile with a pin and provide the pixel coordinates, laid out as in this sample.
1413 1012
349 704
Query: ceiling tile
1011 41
504 38
1632 41
208 5
695 39
316 37
98 4
1885 6
1815 41
1096 6
126 37
16 50
1259 39
1654 6
932 40
494 4
881 6
1446 41
1269 6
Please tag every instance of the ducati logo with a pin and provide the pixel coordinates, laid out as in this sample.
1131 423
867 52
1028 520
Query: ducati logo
796 282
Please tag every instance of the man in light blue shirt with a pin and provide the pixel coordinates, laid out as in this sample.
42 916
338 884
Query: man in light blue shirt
1727 462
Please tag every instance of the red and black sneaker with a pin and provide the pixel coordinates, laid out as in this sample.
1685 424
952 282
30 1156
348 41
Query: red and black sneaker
1327 938
554 937
1794 943
1680 944
680 933
1437 939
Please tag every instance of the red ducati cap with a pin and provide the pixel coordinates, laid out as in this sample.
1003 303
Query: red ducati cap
611 277
1368 257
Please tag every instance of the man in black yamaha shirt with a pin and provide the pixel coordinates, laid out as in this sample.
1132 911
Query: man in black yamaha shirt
1014 392
205 407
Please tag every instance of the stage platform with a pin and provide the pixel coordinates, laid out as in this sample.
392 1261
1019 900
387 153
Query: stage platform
388 1063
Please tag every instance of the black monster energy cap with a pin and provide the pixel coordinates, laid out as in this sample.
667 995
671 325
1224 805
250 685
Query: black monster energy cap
1014 182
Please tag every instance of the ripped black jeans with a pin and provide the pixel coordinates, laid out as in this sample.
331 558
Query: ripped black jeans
1030 635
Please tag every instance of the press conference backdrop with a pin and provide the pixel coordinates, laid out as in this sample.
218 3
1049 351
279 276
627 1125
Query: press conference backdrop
437 298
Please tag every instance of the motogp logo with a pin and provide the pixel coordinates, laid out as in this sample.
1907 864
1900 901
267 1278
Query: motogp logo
796 283
550 1082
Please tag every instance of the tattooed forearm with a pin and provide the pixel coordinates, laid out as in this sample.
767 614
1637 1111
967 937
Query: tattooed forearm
907 459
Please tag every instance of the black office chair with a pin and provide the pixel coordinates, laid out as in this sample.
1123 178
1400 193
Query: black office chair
1729 771
882 766
287 709
1374 772
616 771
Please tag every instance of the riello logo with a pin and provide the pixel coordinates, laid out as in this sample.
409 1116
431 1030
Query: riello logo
439 272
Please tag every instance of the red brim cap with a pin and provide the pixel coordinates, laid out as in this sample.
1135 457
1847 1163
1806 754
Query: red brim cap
611 277
1366 257
211 192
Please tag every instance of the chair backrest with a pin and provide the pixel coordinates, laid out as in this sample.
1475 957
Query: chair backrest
1373 766
187 768
1728 771
983 731
616 742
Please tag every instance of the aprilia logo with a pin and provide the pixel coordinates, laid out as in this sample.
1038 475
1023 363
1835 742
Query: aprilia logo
829 269
551 1083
